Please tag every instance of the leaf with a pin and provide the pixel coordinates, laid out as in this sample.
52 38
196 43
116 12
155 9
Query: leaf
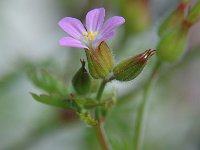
54 100
48 82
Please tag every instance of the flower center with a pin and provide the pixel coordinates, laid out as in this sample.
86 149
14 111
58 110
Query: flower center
89 36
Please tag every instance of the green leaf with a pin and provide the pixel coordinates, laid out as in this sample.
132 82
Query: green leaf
54 100
47 82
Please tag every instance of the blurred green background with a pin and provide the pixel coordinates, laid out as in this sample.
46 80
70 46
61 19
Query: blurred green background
29 37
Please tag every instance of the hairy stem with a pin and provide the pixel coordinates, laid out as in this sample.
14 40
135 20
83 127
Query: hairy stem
101 89
99 127
141 116
102 136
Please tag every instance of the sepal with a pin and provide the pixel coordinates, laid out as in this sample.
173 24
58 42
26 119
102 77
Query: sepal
194 13
100 61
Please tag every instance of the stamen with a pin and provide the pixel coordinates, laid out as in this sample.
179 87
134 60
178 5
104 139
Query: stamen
89 36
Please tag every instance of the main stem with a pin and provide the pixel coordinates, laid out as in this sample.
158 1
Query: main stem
101 89
99 127
141 118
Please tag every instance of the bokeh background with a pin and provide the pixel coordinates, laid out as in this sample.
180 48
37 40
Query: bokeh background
29 37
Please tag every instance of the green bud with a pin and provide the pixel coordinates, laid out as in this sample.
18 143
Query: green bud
130 68
100 61
194 13
174 20
81 80
171 46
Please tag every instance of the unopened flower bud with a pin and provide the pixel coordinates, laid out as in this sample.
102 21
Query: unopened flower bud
130 68
82 80
174 19
194 13
100 61
171 46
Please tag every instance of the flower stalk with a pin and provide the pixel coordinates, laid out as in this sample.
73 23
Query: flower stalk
101 135
100 124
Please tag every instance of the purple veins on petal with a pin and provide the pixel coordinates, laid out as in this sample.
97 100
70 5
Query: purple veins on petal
71 42
95 19
111 24
73 27
95 32
103 38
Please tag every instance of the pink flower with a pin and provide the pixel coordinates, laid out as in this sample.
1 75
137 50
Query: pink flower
93 33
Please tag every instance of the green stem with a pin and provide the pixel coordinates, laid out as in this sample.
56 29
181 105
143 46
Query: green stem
142 111
99 127
101 89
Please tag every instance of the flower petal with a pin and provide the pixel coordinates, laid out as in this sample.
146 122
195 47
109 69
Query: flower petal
95 19
103 38
111 24
72 26
71 42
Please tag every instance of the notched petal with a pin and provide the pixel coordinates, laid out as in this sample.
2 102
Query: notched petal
72 26
71 42
103 38
95 19
111 24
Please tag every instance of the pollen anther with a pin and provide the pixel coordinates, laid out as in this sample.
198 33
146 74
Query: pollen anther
89 36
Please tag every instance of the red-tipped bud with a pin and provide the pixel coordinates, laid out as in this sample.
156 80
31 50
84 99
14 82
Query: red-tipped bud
130 68
174 20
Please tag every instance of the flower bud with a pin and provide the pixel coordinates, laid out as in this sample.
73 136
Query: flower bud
130 68
81 80
174 19
194 13
100 61
171 46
